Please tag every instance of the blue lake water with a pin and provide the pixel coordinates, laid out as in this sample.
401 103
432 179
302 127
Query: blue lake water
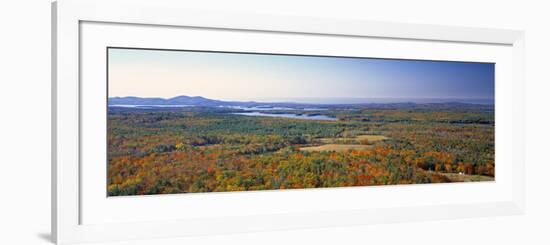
287 115
150 106
274 108
255 108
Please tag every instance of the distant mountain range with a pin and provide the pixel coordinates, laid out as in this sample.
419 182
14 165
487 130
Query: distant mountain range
179 100
201 101
190 101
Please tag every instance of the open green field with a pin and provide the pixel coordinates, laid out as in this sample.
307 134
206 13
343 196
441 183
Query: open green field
336 147
207 149
344 144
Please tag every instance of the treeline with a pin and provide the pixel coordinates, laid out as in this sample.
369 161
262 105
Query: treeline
216 170
153 152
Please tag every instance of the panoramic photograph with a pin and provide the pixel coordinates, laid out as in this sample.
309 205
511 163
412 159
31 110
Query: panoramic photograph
182 121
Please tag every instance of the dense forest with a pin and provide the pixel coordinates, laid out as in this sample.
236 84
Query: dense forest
208 149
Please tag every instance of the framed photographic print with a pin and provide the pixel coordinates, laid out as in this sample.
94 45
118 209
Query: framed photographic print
170 122
181 121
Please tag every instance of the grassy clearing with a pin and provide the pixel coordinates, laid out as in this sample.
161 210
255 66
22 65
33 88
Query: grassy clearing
371 138
467 178
344 144
359 139
336 147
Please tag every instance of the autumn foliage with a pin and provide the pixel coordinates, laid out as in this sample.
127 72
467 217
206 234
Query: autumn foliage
200 150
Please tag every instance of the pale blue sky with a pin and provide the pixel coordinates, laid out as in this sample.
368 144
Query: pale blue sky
236 76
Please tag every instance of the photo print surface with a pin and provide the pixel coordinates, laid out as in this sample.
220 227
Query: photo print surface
202 121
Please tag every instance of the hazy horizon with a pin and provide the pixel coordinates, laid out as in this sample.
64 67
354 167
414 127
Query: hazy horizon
279 78
309 100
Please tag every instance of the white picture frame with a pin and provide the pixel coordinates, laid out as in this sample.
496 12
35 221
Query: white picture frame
67 18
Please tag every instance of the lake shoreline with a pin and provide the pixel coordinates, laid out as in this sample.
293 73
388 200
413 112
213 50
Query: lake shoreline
287 115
